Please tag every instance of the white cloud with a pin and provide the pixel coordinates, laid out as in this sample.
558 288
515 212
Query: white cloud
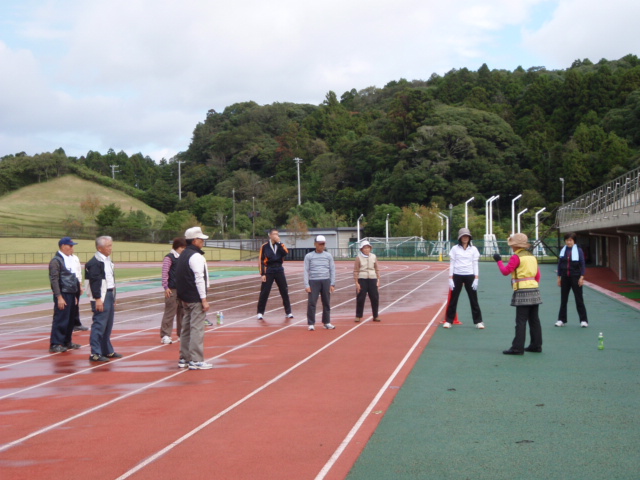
587 29
138 76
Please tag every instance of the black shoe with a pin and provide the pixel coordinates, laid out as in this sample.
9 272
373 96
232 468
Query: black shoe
97 358
72 346
533 349
511 351
57 349
114 355
80 328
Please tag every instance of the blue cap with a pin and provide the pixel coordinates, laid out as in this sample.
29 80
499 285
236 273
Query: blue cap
66 241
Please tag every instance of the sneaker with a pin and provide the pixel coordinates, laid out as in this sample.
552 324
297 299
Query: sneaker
480 326
260 317
94 357
57 349
584 324
199 366
72 346
559 323
311 328
328 326
208 323
80 328
166 340
377 319
113 355
182 363
358 319
289 316
446 325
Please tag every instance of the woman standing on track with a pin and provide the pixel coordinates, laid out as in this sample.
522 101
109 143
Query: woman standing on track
571 269
367 277
525 278
463 270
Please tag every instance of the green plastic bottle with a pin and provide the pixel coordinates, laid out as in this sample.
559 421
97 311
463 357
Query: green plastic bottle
600 341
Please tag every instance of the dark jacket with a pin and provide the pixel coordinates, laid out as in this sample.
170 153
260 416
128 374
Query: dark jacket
62 279
96 278
270 261
568 267
185 278
172 270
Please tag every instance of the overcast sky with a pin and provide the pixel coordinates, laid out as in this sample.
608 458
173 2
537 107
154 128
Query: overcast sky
138 75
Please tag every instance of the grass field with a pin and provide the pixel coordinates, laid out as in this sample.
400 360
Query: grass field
18 281
40 250
52 202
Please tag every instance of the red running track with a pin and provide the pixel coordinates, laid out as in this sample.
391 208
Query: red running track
280 402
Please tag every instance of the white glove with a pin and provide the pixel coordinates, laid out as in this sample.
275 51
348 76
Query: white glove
474 285
451 284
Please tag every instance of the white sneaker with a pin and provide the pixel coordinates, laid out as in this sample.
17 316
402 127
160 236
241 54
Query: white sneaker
289 316
166 340
559 323
199 365
584 324
446 325
311 328
328 326
260 317
480 326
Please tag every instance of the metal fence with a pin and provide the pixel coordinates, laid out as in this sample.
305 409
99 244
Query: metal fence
617 197
123 257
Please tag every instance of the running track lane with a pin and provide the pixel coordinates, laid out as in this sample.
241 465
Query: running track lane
290 428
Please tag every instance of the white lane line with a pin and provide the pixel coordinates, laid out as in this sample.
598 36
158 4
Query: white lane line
145 387
190 434
347 440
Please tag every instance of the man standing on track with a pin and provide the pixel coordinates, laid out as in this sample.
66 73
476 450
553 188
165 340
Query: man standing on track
319 279
99 273
65 286
272 254
192 280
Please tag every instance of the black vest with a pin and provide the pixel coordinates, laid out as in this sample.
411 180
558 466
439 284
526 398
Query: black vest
172 271
185 278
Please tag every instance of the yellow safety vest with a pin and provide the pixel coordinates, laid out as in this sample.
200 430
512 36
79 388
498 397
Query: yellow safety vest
525 275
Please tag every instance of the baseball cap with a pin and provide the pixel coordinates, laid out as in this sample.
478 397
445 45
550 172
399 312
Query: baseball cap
320 238
66 241
195 232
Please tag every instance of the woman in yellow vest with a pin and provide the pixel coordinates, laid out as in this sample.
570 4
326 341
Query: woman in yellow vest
367 278
525 277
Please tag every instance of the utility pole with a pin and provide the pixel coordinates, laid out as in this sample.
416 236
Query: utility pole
298 162
233 193
179 180
113 171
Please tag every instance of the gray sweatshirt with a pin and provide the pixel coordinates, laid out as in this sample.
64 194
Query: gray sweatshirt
319 266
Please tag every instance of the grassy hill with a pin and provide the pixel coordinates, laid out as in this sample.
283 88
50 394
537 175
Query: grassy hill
49 203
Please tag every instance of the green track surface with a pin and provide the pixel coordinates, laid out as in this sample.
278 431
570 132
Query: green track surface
467 411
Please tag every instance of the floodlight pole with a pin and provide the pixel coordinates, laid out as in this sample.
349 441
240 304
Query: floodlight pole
233 196
466 212
387 231
519 214
298 162
513 214
491 214
358 227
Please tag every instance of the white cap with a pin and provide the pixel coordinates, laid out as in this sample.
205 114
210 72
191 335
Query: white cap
364 243
195 232
320 238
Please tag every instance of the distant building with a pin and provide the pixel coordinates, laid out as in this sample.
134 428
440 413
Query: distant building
338 239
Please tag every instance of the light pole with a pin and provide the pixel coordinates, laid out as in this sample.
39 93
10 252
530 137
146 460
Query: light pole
537 223
513 214
447 219
519 214
491 214
179 179
562 180
417 215
233 196
466 213
358 228
298 162
387 231
486 216
253 218
450 218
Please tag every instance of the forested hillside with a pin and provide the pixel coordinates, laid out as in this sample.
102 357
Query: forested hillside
375 150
